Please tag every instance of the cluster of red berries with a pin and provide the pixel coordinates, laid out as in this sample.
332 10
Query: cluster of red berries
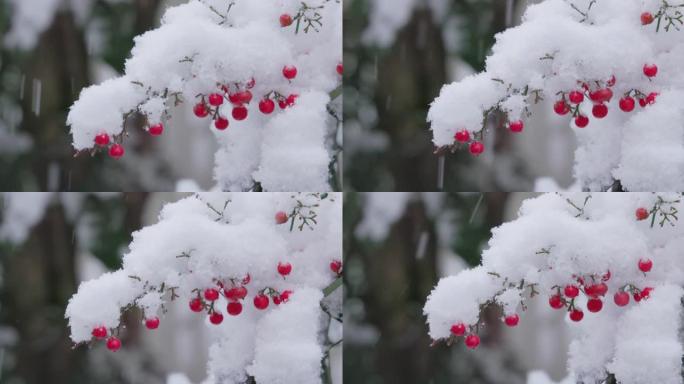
475 147
113 342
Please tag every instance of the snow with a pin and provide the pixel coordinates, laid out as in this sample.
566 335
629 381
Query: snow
558 238
201 47
222 236
21 212
644 149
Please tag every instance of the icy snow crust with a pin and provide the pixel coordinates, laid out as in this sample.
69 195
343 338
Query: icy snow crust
554 49
276 345
639 343
195 50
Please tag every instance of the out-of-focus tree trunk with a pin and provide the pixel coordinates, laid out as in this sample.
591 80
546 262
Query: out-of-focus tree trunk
408 78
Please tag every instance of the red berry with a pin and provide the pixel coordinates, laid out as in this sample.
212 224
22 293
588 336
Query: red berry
556 302
559 107
261 301
621 298
221 123
611 81
581 121
576 315
290 72
116 151
627 104
651 98
216 318
516 126
113 344
336 266
594 305
200 110
251 83
284 268
512 320
234 98
234 308
650 70
646 292
472 341
600 289
266 106
239 113
215 99
281 217
241 292
601 95
277 300
571 291
285 296
244 96
606 276
599 111
285 20
476 148
99 332
152 323
642 102
156 129
102 139
462 136
291 99
646 18
211 294
232 294
282 103
642 213
246 280
340 69
458 329
576 97
645 265
637 297
196 305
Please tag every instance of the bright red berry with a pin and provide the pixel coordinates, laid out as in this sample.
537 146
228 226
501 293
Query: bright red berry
290 72
576 315
576 97
246 279
234 308
285 296
646 18
200 110
600 289
611 81
581 121
211 294
113 344
285 20
221 123
266 106
116 151
645 265
621 298
650 70
215 99
340 69
642 213
516 126
239 113
637 297
599 111
156 129
336 266
196 305
512 320
556 302
261 301
462 136
282 103
241 292
277 300
234 98
281 217
571 291
245 96
651 98
627 104
99 332
291 99
559 107
216 318
102 139
284 268
232 294
458 329
472 341
594 305
152 322
476 148
646 292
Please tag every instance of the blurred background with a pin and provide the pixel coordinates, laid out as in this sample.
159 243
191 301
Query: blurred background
397 246
397 56
49 51
49 243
